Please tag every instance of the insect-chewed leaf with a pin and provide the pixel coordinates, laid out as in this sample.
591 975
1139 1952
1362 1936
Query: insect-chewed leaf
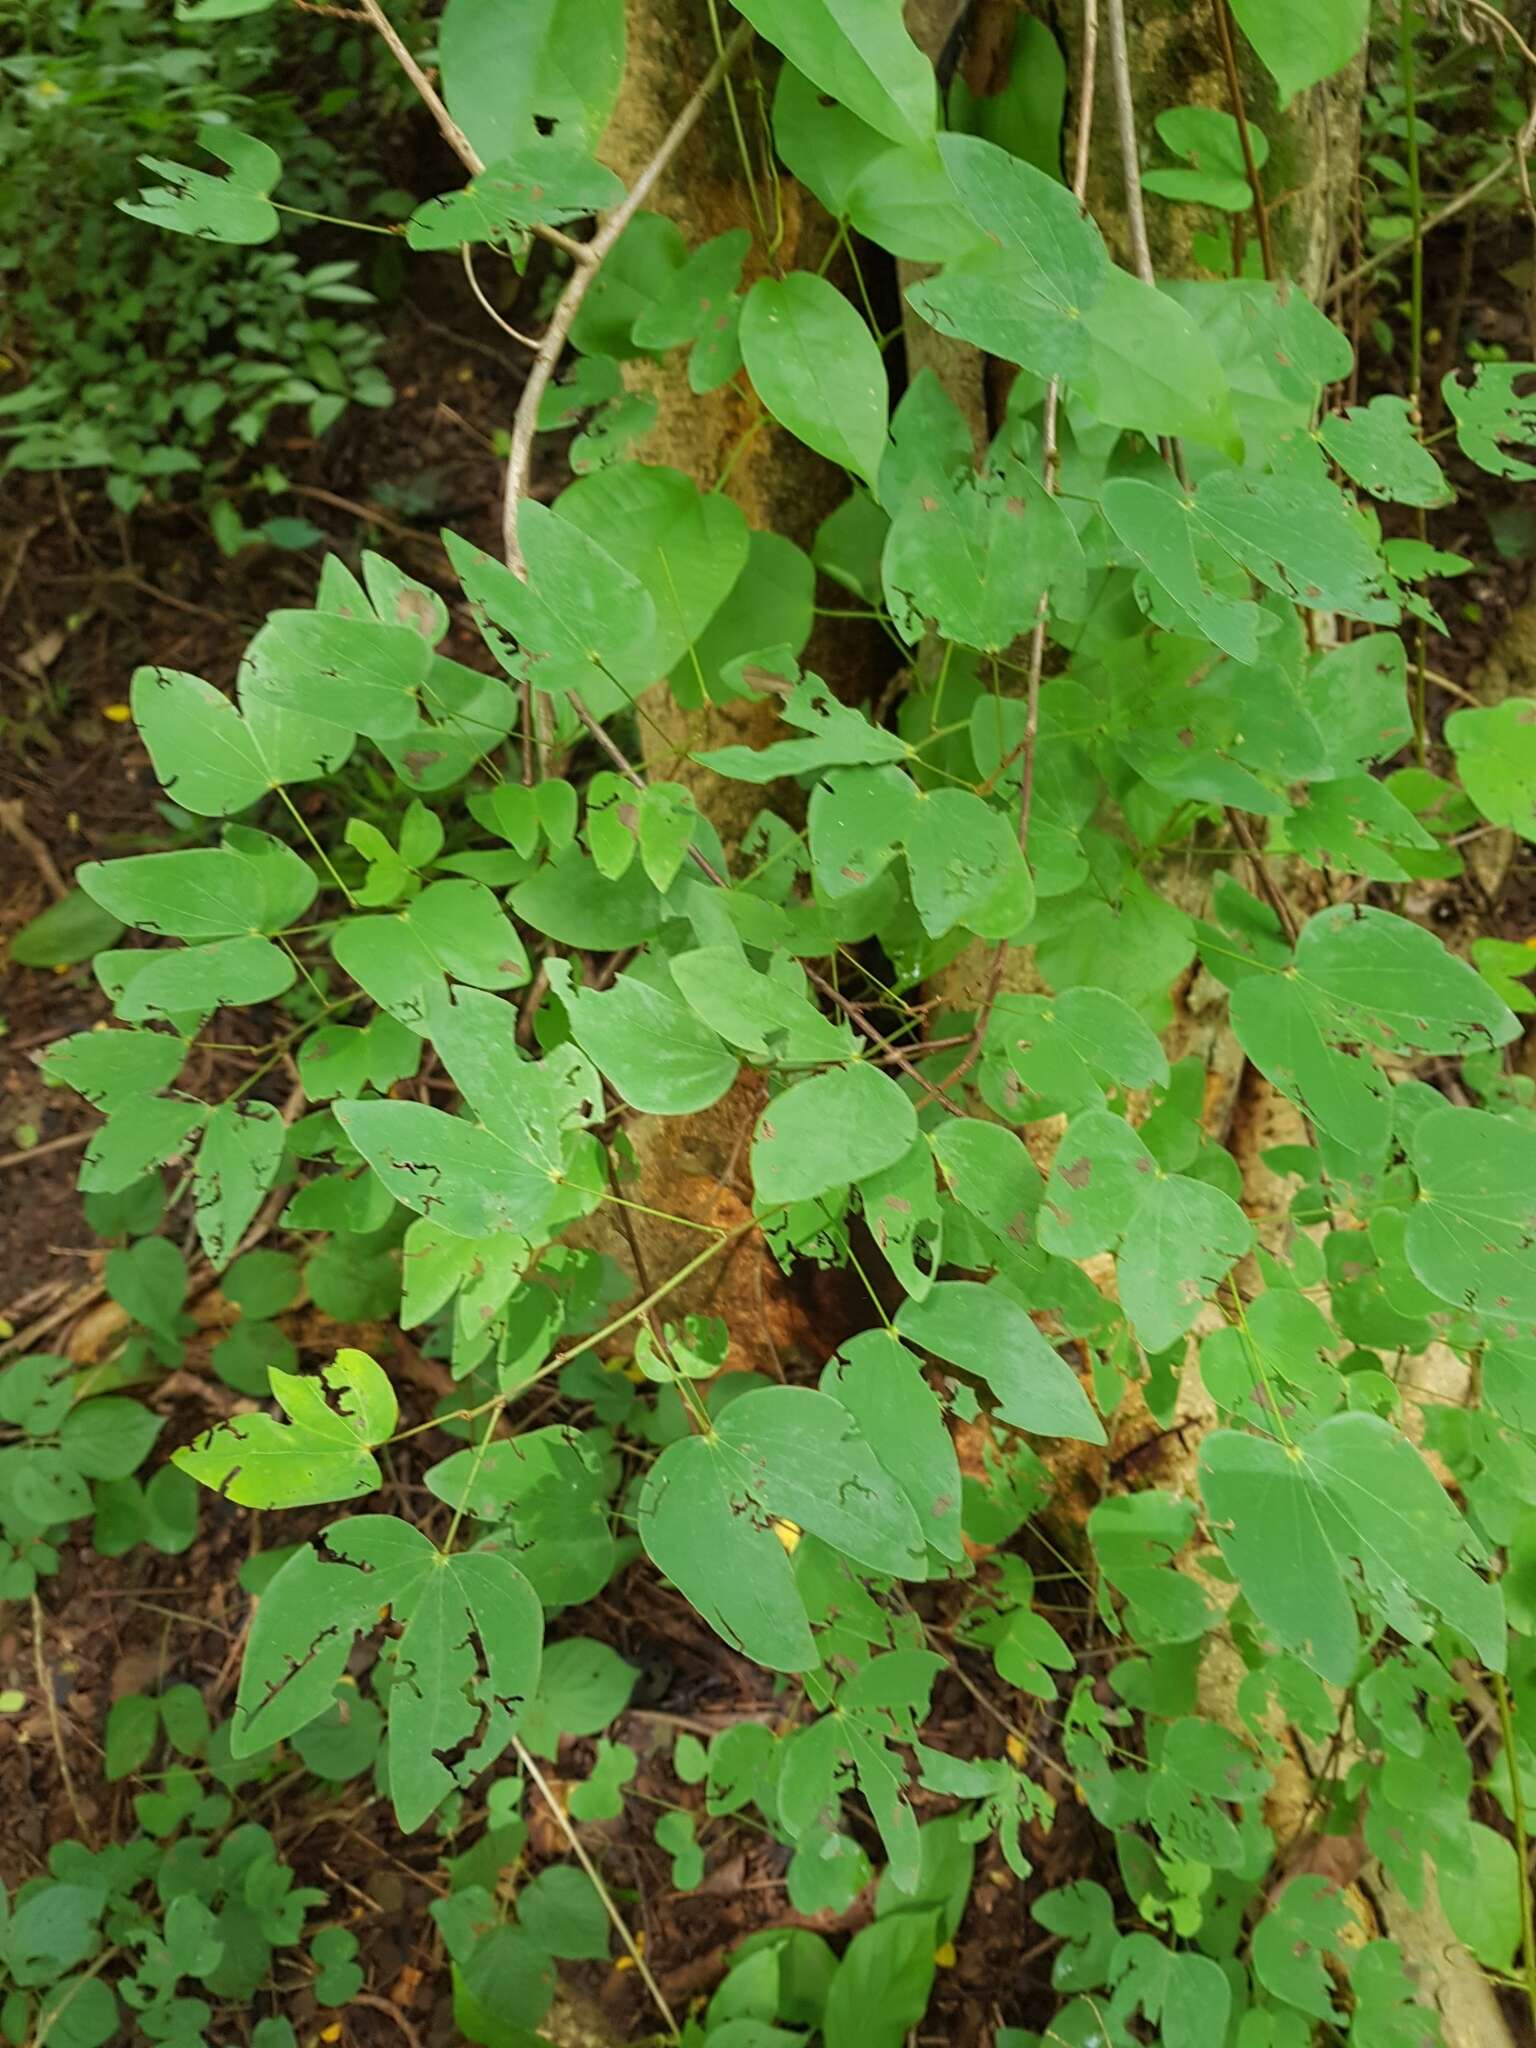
769 1015
191 202
823 1133
710 1505
984 1331
1292 1520
549 1487
215 760
544 183
466 1660
109 1068
320 1454
236 1164
1492 417
1471 1236
510 72
838 737
1376 446
454 930
879 1381
859 54
1051 1051
354 671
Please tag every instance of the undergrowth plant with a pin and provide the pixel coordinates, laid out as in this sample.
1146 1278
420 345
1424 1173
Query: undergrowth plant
1146 736
149 358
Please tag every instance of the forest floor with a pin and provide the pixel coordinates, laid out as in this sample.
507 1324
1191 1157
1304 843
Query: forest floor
85 598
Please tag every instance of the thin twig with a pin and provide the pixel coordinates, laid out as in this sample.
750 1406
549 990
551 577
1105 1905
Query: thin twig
28 1153
45 1687
1522 1849
1266 881
563 1822
525 420
1125 116
13 822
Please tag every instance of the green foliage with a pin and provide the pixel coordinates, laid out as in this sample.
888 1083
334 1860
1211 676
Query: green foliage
1119 687
157 357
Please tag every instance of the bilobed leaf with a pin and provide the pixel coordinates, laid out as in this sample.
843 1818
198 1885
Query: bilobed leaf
1056 1047
974 556
1351 1508
983 1330
1157 527
356 672
708 1507
1302 41
322 1453
576 621
1471 1233
454 930
109 1068
684 546
817 368
858 52
236 1164
509 73
879 1381
837 736
185 981
214 760
252 883
966 867
1492 418
660 1056
1495 749
822 1133
770 1016
1149 367
548 1491
191 202
1298 536
1376 446
144 1132
543 184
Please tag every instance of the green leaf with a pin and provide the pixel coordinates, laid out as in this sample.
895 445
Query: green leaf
191 202
654 1050
1056 1049
881 1385
1024 300
149 1280
583 1686
132 1725
1483 1905
109 1068
109 1437
1178 1236
70 930
549 1488
561 1910
507 71
1149 367
822 1133
859 53
194 981
356 672
252 883
505 1172
1490 415
685 547
903 200
1376 446
544 184
1302 41
973 557
768 1015
236 1164
1495 751
320 1454
816 366
212 759
146 1132
985 1332
839 737
454 930
708 1508
1180 558
1307 1923
1470 1233
577 621
966 867
1290 1520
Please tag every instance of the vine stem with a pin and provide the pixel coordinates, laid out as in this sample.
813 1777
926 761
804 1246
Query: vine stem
1240 114
45 1687
525 419
1087 79
1407 59
1522 1844
563 1822
1125 116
